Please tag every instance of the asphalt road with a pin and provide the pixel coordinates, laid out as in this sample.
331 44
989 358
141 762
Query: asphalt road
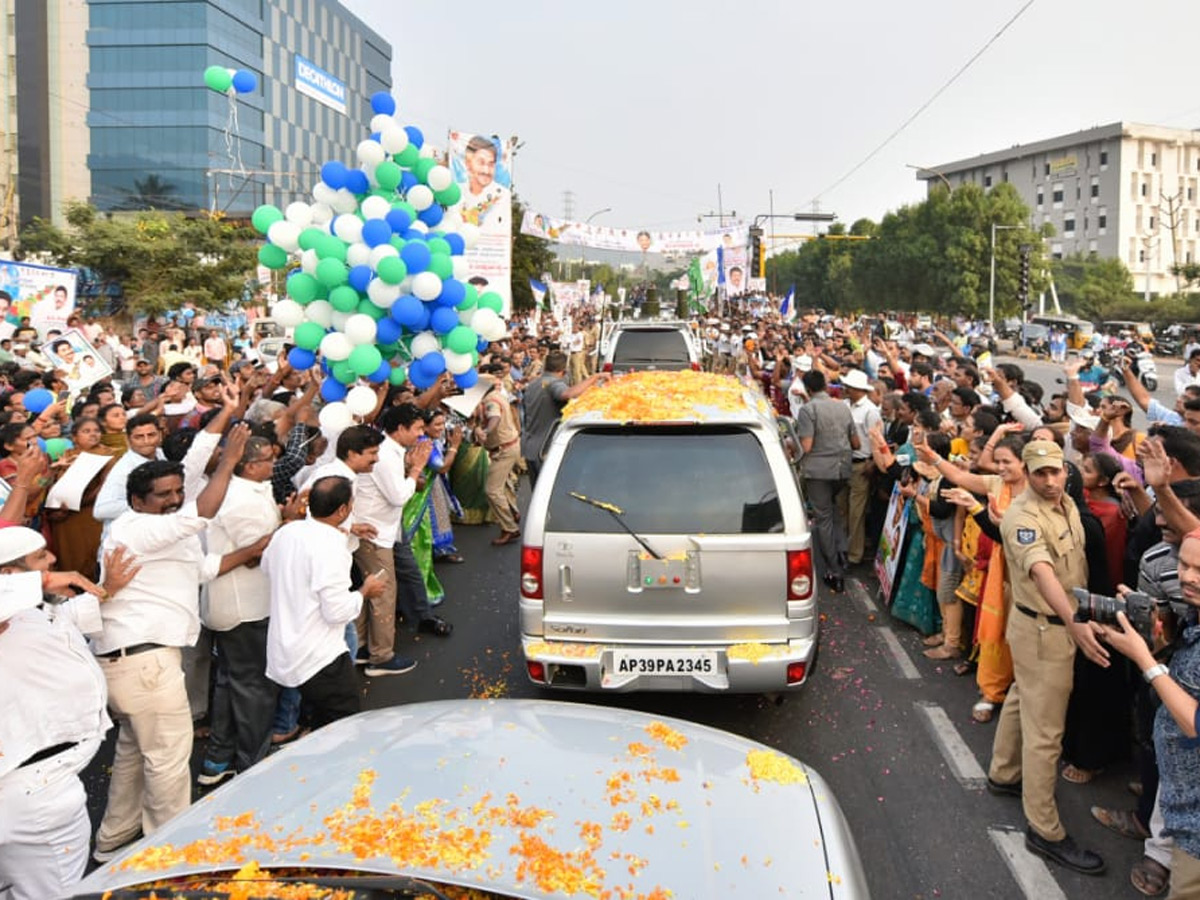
890 731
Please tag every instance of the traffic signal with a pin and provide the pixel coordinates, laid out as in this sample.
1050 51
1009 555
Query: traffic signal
1023 276
758 262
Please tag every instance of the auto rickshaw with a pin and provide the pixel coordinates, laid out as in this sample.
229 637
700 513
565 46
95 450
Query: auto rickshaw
1140 331
1078 331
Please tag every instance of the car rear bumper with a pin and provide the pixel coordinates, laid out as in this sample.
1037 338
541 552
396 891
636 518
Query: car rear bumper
750 668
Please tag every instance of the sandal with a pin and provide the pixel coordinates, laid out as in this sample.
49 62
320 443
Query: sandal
1076 775
1149 876
944 652
983 711
963 668
934 640
1123 821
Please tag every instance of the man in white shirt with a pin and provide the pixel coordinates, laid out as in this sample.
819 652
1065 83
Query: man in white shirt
307 565
52 716
146 624
865 416
1189 372
234 606
145 441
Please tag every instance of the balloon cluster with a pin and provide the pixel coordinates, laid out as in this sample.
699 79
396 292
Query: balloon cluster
226 81
382 279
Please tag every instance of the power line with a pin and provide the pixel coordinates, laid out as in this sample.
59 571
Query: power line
924 106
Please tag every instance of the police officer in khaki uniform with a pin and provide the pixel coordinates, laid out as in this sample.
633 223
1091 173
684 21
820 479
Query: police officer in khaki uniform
1043 546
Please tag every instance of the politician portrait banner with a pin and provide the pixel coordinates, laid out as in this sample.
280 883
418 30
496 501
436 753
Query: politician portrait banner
482 167
631 240
44 293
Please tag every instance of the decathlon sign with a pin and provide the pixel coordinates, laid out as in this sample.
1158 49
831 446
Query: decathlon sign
315 82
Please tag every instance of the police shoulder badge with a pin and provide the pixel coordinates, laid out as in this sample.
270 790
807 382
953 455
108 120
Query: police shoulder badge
1026 535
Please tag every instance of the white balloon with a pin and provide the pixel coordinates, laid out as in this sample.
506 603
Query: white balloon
335 346
348 228
335 417
457 363
383 251
321 312
361 400
420 197
344 201
339 319
495 330
358 254
426 151
393 137
382 294
426 285
287 312
406 285
467 317
462 268
439 178
322 214
360 328
299 213
469 234
371 153
308 261
424 343
286 235
484 321
375 208
451 221
323 193
381 122
420 226
369 171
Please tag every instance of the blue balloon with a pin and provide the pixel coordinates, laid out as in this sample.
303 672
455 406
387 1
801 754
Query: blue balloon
334 174
414 136
244 82
377 136
416 257
37 400
301 359
467 379
431 215
357 181
382 103
387 331
42 444
419 379
457 245
481 345
376 232
381 374
453 293
408 180
333 390
360 276
443 319
415 234
433 364
326 368
407 311
189 313
400 220
423 322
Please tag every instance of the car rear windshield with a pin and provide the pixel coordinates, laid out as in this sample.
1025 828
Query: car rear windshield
644 346
666 480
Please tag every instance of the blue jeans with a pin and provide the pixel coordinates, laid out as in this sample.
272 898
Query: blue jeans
287 711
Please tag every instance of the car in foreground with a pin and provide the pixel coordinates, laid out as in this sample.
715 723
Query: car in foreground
509 799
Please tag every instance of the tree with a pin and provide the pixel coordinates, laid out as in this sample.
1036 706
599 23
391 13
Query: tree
531 258
1091 287
151 192
160 260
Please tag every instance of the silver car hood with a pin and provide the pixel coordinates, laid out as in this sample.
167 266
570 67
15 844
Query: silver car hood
523 797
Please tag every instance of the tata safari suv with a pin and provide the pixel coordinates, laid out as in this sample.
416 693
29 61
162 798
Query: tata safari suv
648 346
666 546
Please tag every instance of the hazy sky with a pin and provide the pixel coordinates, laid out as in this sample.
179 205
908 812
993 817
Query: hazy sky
647 106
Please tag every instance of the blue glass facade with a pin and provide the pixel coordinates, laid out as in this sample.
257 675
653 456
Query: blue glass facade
151 114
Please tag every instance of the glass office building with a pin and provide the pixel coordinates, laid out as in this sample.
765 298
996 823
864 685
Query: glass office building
160 138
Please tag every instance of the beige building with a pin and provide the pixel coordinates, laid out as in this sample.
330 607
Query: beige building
1123 190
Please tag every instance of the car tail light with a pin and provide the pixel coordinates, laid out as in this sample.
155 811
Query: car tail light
795 672
531 573
799 574
608 367
537 671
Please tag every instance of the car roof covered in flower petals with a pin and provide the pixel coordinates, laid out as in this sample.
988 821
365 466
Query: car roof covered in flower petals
670 397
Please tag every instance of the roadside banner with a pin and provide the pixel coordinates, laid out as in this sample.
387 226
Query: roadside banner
482 167
44 293
632 240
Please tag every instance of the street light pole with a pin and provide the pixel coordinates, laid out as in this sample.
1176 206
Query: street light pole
945 180
588 221
992 279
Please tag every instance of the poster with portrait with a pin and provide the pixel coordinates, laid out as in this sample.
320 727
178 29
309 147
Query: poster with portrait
77 359
891 542
482 167
44 293
631 239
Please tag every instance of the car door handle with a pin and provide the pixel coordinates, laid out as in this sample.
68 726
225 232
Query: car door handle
564 583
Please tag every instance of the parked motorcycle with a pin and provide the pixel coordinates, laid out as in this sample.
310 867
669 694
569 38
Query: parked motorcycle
1144 367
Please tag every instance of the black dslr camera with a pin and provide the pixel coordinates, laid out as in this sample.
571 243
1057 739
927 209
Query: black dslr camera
1159 622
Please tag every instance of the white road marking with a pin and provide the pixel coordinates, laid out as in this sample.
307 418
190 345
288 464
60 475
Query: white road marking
1031 872
899 655
862 596
958 755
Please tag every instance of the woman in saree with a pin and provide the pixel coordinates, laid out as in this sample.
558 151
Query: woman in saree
76 533
468 479
417 521
443 505
915 601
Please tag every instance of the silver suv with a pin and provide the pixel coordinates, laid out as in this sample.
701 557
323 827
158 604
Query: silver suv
650 345
668 553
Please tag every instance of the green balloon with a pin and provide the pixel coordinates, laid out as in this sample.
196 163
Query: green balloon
56 447
308 335
218 78
272 257
388 350
331 247
475 359
302 287
470 300
310 238
332 272
343 372
391 270
491 300
422 167
408 156
461 339
365 359
397 242
441 265
388 175
398 376
449 196
367 308
344 298
266 215
438 245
